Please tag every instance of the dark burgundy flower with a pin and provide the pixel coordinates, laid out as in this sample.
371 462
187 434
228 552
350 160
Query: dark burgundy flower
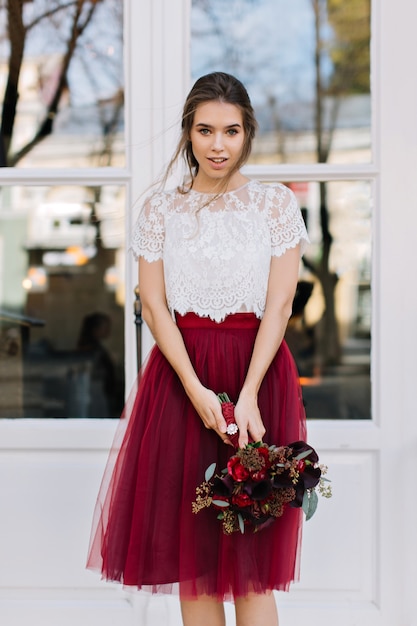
299 495
301 446
283 480
310 476
223 486
258 490
308 479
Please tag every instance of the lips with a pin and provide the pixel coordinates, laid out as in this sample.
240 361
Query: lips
217 163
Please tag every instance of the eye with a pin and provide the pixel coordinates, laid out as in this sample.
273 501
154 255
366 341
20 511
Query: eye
204 131
232 132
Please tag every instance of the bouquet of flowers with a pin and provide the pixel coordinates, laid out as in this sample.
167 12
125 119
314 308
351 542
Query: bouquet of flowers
259 481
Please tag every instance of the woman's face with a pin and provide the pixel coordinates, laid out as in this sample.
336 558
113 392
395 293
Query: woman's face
217 137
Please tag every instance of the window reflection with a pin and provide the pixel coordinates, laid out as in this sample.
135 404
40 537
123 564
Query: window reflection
61 83
330 329
306 64
61 301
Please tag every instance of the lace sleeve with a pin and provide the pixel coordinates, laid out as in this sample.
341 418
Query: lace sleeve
148 235
286 224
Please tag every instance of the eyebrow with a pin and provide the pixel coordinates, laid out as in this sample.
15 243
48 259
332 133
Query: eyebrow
210 126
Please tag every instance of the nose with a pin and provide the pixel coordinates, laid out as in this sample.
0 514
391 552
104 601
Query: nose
218 142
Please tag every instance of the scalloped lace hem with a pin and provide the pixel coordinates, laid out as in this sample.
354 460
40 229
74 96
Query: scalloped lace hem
218 315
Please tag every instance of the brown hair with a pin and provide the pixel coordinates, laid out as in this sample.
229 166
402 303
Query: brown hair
220 87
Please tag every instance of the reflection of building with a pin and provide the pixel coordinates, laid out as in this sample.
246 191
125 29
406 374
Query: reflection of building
61 247
288 134
350 257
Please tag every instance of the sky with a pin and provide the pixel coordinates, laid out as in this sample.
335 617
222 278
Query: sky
268 44
96 70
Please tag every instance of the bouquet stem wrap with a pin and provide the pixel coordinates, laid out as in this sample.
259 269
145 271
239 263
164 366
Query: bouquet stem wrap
228 410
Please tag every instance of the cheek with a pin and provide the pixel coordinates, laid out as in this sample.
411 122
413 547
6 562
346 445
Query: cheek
240 148
195 146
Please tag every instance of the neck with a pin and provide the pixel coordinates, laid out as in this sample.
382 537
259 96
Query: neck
219 186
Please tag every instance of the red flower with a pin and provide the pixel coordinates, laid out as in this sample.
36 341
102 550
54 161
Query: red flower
242 500
264 453
236 470
260 475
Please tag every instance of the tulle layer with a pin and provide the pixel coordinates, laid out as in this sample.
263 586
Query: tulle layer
144 532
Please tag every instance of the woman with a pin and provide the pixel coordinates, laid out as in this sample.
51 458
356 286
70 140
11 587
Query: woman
218 268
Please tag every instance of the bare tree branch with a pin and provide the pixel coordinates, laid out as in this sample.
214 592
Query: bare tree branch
46 126
11 96
50 13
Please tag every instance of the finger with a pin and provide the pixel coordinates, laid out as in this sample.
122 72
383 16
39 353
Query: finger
257 432
220 423
212 421
243 437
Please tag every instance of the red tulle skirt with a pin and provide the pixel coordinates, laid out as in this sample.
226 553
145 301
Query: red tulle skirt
144 532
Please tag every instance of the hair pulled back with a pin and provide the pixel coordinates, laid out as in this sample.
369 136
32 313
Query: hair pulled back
217 87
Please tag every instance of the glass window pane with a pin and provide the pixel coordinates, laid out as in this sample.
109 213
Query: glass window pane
62 301
329 333
306 65
61 83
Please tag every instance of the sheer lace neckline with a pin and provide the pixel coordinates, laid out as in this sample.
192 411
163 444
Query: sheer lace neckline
225 193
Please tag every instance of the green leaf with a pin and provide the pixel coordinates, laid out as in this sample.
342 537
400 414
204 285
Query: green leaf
220 516
241 523
313 501
220 503
305 504
326 480
209 472
225 471
302 455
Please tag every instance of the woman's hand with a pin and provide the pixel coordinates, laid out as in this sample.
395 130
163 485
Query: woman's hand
282 283
169 339
248 418
207 405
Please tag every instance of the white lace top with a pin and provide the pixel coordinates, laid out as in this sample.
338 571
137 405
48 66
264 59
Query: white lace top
217 253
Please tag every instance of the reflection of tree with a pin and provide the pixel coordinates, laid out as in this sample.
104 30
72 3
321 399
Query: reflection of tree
349 53
75 16
341 68
228 52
